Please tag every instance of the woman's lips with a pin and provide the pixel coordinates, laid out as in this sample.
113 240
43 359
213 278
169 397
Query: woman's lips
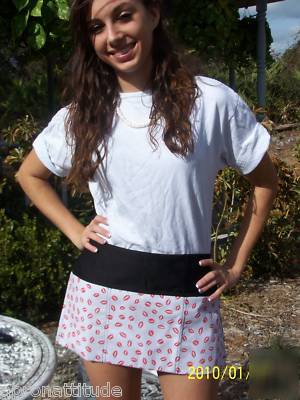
126 54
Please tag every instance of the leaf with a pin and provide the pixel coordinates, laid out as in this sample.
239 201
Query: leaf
19 23
20 4
63 9
60 30
296 189
53 35
37 37
37 9
49 12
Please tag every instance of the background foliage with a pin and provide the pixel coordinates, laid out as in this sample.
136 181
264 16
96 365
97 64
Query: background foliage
275 253
34 264
213 30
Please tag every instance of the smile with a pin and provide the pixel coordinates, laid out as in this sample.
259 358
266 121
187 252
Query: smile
124 54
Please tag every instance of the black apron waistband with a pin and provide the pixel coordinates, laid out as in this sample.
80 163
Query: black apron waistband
137 271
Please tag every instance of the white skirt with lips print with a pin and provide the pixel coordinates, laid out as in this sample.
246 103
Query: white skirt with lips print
167 333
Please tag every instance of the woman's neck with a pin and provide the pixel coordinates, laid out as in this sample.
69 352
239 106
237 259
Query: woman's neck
134 85
135 82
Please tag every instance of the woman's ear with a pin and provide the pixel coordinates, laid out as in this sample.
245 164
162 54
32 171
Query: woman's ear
155 14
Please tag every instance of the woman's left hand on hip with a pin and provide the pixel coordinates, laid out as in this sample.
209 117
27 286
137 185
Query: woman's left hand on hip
221 275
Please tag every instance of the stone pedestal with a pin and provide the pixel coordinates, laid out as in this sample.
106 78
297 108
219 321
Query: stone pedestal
27 360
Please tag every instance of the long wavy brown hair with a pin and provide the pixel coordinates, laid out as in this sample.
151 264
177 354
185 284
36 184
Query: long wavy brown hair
92 94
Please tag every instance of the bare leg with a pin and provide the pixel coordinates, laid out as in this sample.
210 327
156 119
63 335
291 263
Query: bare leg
128 379
179 387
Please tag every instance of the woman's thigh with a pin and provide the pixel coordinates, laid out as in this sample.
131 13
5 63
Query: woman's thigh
179 387
126 378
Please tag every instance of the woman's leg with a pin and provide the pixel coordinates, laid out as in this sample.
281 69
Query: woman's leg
179 387
128 379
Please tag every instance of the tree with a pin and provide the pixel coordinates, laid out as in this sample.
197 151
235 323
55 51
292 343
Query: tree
34 30
212 28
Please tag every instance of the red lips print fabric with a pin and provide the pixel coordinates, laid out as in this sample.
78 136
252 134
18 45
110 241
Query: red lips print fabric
140 330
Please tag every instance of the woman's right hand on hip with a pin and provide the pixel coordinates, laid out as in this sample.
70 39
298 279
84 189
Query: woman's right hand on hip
94 230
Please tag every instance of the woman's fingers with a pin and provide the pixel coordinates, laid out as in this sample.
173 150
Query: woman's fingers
101 231
97 226
206 262
221 276
95 231
97 238
92 235
217 293
205 286
90 247
209 280
100 218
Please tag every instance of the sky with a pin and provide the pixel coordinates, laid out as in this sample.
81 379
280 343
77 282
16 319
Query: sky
284 20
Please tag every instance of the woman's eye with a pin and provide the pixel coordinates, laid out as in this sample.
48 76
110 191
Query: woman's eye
125 16
95 29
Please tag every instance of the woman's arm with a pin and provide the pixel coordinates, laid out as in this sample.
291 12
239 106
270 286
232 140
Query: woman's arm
33 178
264 183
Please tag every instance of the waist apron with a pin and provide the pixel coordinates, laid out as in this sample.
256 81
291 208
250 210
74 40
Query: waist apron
142 310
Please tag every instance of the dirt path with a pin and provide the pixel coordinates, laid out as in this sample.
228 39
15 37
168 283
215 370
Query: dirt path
254 318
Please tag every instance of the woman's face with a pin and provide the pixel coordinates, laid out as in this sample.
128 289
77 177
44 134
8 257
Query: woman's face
122 32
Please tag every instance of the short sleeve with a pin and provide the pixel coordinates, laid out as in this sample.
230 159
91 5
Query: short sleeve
51 146
245 139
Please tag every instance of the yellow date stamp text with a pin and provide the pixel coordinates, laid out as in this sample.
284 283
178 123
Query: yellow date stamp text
230 372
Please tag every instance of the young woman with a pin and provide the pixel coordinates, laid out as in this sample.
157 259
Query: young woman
148 139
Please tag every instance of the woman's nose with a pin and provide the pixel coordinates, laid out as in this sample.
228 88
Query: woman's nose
113 35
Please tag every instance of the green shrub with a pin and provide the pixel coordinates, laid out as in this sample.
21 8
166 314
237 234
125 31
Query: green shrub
282 90
34 266
275 253
278 247
21 90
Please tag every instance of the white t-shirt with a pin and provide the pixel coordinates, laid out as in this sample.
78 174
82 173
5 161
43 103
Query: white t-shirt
160 202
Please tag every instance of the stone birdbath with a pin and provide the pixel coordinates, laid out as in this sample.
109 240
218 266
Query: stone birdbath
27 359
